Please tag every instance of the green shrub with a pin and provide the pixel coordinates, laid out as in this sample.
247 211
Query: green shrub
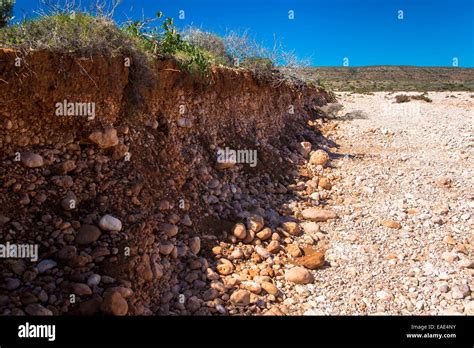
6 11
423 97
261 66
169 42
210 43
402 98
77 32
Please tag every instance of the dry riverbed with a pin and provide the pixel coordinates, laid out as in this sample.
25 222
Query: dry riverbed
403 243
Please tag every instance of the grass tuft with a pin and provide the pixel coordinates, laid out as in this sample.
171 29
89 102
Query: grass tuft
195 51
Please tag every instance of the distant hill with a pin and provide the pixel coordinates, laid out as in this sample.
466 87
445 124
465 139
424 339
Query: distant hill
393 78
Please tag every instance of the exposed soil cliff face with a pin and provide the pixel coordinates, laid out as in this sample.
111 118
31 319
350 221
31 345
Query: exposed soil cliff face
147 161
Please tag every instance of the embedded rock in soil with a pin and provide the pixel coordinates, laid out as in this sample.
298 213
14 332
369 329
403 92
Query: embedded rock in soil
110 223
114 304
105 139
255 223
46 265
32 160
169 229
195 245
87 234
239 231
36 309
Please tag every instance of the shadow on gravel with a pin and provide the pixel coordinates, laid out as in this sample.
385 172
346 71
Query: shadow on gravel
269 191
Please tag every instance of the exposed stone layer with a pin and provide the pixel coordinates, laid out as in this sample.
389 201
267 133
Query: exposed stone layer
145 158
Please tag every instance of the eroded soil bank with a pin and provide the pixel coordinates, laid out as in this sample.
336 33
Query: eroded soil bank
128 205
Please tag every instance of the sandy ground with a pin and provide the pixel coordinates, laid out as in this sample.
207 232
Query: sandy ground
411 164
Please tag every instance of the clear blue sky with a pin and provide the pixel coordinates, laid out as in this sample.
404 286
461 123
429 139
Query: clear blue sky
367 32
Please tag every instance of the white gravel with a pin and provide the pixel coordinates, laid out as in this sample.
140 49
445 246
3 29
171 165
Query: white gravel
412 163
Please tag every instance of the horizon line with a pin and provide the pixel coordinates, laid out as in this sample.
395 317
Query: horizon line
390 65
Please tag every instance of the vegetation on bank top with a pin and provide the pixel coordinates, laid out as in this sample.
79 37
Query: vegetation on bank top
6 11
196 51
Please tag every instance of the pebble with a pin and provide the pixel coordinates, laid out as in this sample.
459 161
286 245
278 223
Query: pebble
32 160
466 263
105 139
291 227
318 215
12 284
87 234
391 224
186 221
305 148
269 288
262 252
193 304
46 265
384 295
239 231
310 227
252 286
459 292
319 157
81 289
114 304
294 250
67 252
166 247
325 184
443 287
66 167
36 309
237 254
250 237
255 223
240 298
195 245
469 308
273 247
224 266
264 234
450 257
94 279
110 223
299 275
312 261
